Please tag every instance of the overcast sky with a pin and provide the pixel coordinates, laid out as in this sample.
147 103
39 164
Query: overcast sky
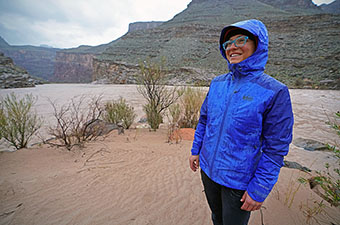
70 23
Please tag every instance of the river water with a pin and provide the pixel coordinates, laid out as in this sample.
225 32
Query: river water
312 108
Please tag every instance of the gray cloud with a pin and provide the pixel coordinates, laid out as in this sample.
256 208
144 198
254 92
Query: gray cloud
66 24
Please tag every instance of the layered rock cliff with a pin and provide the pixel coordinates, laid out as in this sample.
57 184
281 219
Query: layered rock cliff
144 25
38 61
12 76
77 65
73 67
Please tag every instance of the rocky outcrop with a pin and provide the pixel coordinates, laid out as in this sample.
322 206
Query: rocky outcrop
109 72
73 67
294 5
12 76
144 25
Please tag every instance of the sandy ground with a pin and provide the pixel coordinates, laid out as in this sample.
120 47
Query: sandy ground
139 178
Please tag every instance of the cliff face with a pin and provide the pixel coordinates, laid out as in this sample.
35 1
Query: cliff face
36 60
144 25
73 67
12 76
77 65
114 72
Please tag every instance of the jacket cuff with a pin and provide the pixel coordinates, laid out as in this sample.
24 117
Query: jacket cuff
258 192
195 151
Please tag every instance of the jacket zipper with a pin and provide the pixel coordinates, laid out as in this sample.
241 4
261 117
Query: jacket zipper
222 126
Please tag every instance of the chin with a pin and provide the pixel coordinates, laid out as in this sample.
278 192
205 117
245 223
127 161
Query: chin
235 61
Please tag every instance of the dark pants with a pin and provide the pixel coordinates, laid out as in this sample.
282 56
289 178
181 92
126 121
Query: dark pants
224 203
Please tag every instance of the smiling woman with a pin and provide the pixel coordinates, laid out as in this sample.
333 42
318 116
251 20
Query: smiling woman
245 127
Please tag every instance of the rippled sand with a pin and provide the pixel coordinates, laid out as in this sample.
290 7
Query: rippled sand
139 178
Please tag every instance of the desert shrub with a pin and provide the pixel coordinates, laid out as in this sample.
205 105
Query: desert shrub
17 120
174 117
152 86
191 102
153 115
119 112
185 114
74 121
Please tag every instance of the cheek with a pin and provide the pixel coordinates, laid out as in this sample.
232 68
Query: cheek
227 55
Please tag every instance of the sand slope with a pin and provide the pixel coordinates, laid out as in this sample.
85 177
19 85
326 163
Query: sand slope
135 178
138 178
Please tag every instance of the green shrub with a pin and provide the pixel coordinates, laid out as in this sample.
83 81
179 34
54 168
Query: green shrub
17 121
153 115
119 112
152 80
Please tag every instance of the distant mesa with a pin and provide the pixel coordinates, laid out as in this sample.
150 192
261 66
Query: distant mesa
45 46
144 25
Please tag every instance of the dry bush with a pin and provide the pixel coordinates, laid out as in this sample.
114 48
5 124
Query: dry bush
185 114
17 121
119 112
174 117
191 102
75 121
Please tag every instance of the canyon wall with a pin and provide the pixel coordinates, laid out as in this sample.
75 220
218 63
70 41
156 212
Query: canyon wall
12 76
72 67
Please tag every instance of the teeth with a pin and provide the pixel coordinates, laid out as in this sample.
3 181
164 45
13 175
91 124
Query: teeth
232 55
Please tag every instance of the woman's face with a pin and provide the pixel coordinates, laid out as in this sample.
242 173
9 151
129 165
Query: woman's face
237 54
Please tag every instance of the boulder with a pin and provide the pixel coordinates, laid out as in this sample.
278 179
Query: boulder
310 145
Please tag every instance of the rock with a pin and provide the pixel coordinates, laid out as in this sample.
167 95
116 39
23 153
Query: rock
310 145
327 81
12 76
143 120
99 128
37 61
295 165
144 25
73 67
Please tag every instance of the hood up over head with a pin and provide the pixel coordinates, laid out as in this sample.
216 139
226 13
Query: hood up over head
258 60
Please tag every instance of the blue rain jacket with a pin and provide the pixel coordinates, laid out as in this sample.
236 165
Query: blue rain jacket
245 124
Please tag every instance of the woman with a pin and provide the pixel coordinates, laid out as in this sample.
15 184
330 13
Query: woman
245 127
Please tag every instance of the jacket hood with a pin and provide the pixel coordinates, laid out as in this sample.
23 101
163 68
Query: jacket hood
258 60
